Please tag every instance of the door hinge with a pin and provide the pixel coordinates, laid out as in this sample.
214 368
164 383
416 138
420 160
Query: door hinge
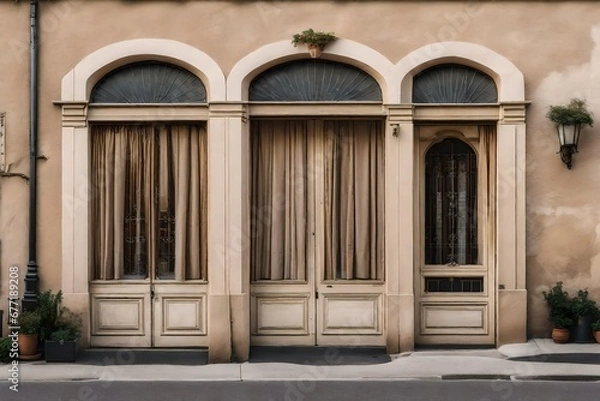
152 293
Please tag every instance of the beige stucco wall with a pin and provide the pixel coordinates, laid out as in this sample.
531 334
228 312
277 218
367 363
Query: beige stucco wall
555 45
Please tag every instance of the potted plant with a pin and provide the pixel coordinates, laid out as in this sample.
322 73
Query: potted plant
568 120
61 346
60 328
315 41
596 330
561 312
573 113
585 312
48 307
29 328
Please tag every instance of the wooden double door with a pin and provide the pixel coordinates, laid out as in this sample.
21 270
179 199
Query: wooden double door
317 232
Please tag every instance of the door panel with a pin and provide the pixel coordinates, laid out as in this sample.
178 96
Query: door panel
126 314
350 314
282 314
180 315
121 315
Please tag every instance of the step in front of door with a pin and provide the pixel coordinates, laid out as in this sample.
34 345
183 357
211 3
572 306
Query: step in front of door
143 356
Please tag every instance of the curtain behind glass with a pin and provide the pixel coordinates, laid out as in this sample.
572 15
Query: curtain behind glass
148 204
353 157
451 233
350 197
279 200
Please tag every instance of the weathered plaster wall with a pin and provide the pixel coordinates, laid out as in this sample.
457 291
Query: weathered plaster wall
563 209
554 44
14 191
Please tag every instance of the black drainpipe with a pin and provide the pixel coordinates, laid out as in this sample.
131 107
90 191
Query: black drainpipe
31 277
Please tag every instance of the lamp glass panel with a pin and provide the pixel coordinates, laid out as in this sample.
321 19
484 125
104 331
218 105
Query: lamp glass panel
568 134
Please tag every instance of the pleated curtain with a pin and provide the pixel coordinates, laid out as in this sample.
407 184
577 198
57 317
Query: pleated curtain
149 201
306 170
354 200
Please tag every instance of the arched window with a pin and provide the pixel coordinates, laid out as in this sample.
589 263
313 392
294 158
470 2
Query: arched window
451 204
314 80
454 83
149 82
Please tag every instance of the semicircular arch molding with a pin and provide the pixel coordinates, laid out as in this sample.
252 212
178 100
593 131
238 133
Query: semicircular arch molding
509 80
342 50
78 83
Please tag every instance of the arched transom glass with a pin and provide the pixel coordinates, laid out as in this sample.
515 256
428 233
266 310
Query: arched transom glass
149 82
454 83
314 80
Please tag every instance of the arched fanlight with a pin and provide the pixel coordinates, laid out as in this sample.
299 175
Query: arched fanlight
454 83
314 80
149 82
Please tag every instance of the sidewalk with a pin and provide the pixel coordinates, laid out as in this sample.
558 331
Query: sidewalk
529 361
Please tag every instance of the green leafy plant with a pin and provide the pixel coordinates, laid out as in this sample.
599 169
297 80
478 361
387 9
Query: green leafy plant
49 309
56 318
29 322
576 112
560 307
312 37
582 305
596 325
67 327
5 347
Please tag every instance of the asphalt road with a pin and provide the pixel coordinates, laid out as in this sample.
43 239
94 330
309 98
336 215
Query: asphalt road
500 390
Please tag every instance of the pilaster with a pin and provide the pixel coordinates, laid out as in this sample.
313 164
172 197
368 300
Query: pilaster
400 227
511 224
229 238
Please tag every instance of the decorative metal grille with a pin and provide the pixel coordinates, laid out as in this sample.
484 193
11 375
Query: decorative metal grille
451 204
453 83
149 82
314 80
454 284
138 219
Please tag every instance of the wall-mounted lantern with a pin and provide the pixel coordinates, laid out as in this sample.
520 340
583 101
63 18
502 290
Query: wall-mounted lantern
568 120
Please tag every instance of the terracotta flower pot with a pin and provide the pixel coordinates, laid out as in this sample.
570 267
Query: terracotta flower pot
28 344
597 336
314 50
560 336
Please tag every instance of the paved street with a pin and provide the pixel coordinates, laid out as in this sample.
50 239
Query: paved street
532 371
498 390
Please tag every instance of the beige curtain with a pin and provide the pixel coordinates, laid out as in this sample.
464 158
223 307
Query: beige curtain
346 188
353 199
487 138
149 201
279 200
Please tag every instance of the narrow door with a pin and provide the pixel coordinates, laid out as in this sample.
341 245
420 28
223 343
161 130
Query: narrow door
455 280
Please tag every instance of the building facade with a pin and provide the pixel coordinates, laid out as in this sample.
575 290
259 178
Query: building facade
202 182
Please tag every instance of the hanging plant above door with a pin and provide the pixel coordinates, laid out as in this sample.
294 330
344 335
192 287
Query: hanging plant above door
315 41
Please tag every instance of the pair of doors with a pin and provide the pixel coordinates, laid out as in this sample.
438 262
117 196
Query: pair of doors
149 253
317 232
